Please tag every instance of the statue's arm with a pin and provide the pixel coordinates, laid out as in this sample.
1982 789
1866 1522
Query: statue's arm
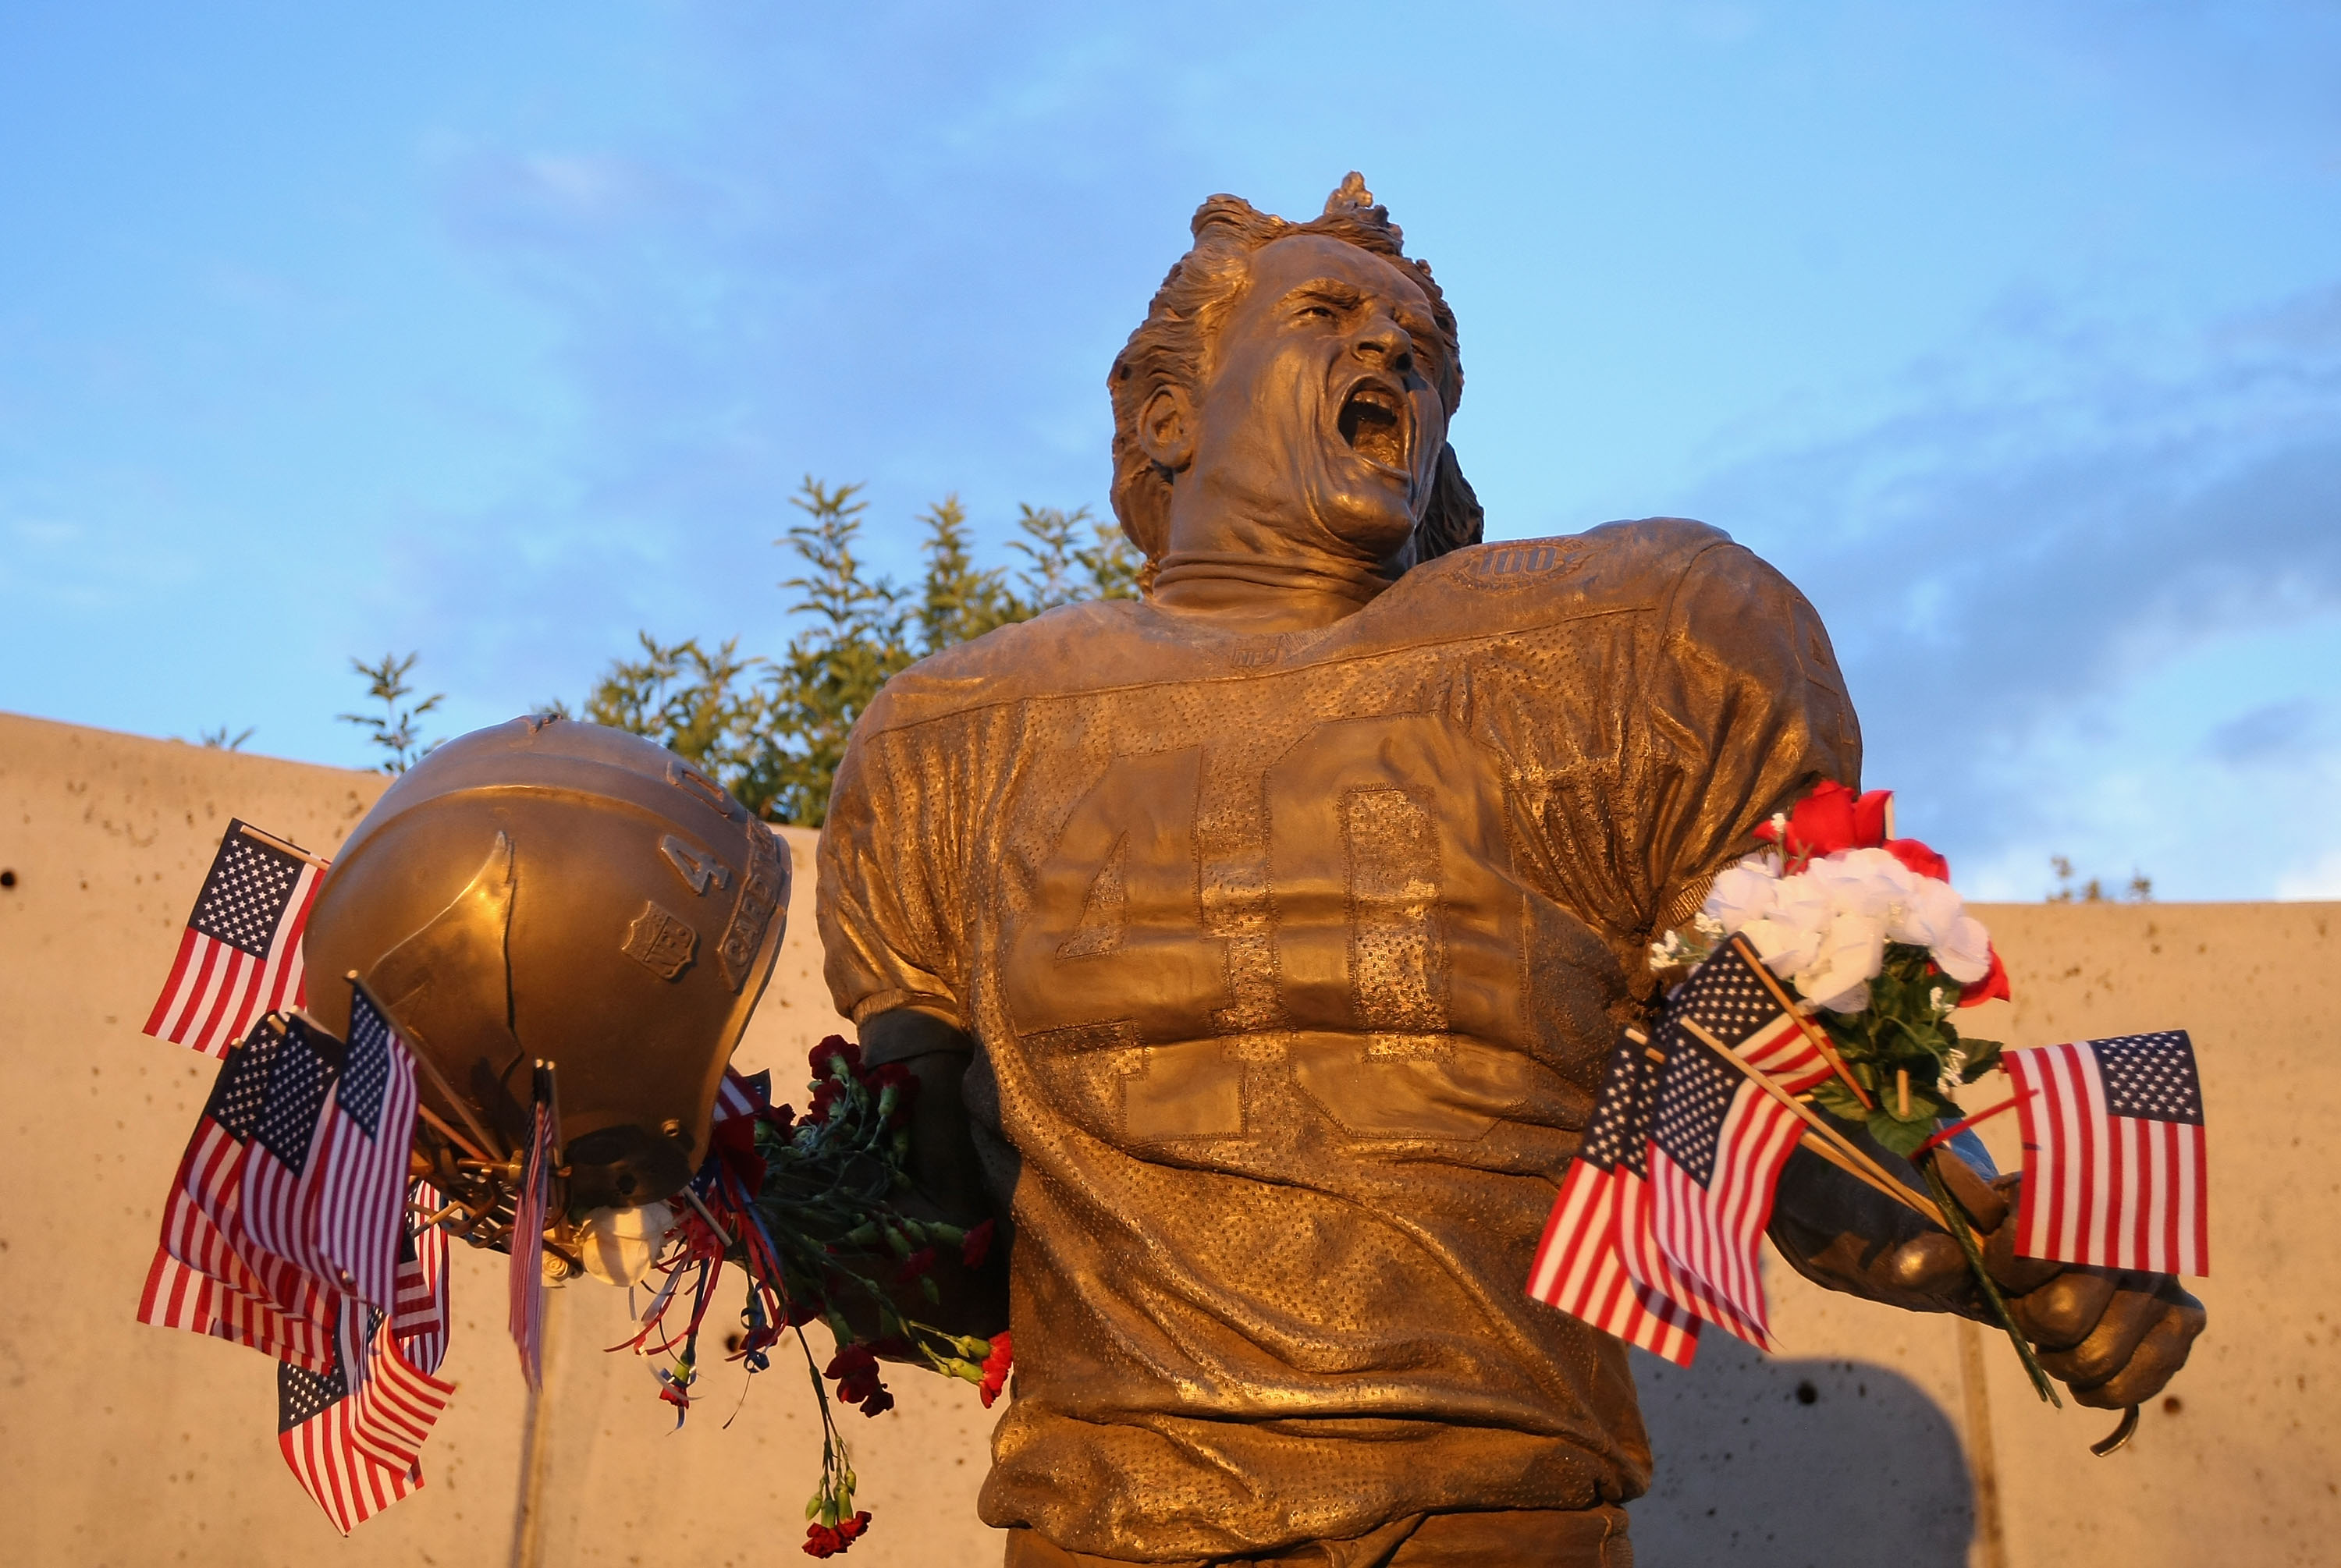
945 1168
2116 1338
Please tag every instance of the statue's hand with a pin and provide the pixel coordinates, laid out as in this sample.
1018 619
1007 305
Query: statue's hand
2113 1336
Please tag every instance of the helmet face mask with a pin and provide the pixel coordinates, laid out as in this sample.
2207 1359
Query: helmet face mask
549 890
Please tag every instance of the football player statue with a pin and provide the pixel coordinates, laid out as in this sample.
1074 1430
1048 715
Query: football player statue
1260 942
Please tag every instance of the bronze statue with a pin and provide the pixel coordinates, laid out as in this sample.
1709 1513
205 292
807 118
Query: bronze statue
1260 944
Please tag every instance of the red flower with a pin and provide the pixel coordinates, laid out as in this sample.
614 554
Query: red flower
996 1367
1833 817
976 1245
919 1263
878 1403
823 1057
855 1368
1993 987
735 1145
828 1540
825 1095
1921 860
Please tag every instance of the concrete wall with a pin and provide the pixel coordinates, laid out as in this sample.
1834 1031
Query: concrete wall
1920 1446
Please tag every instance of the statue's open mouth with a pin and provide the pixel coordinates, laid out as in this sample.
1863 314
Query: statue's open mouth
1373 421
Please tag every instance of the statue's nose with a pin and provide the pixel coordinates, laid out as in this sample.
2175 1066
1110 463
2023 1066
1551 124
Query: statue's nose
1386 342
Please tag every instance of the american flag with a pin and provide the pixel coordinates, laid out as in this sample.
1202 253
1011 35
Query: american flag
355 1192
1580 1265
742 1094
350 1435
240 956
276 1217
1717 1142
527 1317
200 1280
2114 1163
421 1319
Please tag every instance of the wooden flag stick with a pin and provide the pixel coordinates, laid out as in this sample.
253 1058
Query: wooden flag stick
1813 1119
450 1134
274 842
1818 1037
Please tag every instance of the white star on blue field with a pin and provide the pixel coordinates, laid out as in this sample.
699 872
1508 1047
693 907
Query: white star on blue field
2012 332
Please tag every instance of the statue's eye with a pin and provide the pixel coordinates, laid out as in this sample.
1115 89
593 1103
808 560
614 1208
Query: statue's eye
1319 311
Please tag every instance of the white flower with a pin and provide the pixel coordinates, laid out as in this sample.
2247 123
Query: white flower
1864 882
1851 952
1926 914
1965 950
1787 949
619 1244
1741 893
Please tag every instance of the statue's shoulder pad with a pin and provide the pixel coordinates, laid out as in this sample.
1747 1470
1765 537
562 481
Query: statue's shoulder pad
1025 659
1615 563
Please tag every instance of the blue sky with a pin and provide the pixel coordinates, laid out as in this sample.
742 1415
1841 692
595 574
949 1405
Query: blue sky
2012 332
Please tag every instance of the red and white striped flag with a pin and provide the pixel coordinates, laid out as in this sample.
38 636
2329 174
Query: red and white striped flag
526 1317
2114 1163
355 1194
330 1431
396 1405
741 1095
240 956
277 1218
421 1319
200 1232
1580 1265
1717 1143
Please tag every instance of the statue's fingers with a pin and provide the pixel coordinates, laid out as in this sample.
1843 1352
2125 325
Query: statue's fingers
2107 1348
2016 1275
1984 1202
1930 1265
2060 1314
2159 1357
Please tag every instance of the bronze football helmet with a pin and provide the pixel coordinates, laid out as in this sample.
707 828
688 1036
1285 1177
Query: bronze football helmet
557 890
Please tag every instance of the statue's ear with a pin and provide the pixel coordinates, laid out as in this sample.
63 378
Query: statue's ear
1165 427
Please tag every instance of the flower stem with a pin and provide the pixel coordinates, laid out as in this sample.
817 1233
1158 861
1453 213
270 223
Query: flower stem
1957 1218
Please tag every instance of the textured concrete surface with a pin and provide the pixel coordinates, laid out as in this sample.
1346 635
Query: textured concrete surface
121 1444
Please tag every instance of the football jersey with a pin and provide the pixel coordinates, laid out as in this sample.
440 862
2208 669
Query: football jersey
1293 960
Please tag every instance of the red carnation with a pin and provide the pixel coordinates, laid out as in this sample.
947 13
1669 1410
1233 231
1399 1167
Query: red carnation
1921 860
828 1541
919 1263
823 1056
995 1368
855 1368
1992 987
976 1245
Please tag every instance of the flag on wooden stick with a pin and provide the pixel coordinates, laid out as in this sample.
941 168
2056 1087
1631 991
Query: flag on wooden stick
2115 1163
351 1434
239 958
1718 1141
355 1192
1580 1265
526 1317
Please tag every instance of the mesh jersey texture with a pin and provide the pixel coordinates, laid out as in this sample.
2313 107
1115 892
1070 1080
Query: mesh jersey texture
1293 961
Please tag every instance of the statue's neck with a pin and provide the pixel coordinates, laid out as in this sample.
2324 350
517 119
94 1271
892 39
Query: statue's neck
1265 592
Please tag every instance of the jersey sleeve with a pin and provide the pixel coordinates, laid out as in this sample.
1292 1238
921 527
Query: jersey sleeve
1744 710
891 860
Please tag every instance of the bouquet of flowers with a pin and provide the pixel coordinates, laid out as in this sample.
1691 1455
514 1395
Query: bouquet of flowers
810 1209
1864 928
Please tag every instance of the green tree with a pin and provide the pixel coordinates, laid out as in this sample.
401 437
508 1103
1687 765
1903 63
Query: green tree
772 731
393 728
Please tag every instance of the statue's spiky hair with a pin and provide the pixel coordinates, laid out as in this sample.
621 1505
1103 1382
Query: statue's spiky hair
1172 346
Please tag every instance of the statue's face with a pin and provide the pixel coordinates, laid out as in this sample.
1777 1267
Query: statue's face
1321 413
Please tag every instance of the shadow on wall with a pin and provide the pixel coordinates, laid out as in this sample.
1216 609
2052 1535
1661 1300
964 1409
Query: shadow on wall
1765 1464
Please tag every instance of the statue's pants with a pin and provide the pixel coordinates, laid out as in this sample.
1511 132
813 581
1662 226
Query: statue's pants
1518 1538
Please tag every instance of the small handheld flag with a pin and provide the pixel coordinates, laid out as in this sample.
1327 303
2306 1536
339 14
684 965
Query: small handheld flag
1580 1265
526 1315
2114 1162
240 956
355 1197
